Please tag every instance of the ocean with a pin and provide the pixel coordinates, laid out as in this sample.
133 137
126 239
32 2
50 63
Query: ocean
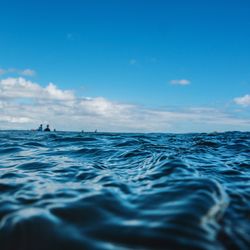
68 190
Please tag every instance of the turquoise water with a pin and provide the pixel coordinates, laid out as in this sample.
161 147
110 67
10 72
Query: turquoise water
124 191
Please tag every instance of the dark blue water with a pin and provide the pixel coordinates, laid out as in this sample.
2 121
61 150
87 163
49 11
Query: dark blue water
124 191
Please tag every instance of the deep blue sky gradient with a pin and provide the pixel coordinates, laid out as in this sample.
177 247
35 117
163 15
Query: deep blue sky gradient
88 45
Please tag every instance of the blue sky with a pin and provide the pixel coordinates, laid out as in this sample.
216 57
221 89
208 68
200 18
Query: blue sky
131 53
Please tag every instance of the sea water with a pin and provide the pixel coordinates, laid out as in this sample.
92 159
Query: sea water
124 191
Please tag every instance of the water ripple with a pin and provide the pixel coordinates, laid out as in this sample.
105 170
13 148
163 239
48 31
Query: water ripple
124 191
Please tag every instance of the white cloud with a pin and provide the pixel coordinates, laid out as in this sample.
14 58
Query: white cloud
180 82
22 72
25 104
22 88
27 72
243 101
55 93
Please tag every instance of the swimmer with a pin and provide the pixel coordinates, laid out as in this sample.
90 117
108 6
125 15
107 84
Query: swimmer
40 128
47 128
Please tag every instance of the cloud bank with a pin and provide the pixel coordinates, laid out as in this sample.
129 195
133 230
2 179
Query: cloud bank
25 104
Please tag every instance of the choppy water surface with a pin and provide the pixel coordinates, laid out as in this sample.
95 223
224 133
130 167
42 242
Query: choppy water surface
124 191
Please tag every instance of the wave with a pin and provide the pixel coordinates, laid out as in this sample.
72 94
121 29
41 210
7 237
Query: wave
124 191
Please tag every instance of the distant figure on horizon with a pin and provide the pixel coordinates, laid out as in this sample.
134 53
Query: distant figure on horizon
40 128
47 128
54 130
96 131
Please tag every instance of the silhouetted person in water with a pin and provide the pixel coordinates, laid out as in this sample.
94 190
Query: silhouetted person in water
47 128
40 128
